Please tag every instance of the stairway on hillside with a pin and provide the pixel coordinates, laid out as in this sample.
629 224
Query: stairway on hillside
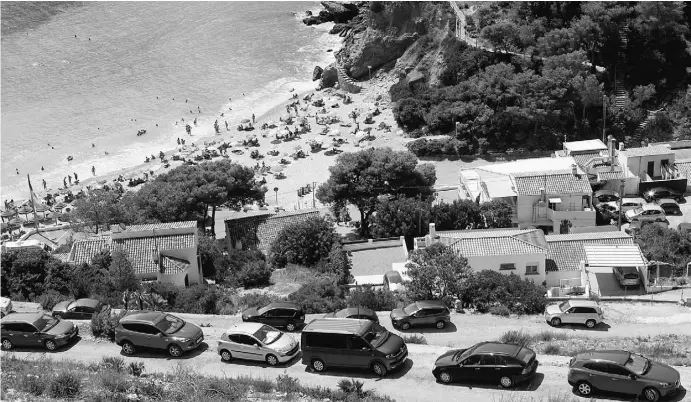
637 136
620 93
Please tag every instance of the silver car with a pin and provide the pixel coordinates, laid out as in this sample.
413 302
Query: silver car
256 341
574 312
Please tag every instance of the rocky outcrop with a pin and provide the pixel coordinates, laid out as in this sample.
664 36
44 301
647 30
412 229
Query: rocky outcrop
317 73
341 12
346 83
329 76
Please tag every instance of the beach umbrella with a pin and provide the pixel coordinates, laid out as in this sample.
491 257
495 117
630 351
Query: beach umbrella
17 221
8 213
42 208
25 210
238 143
244 121
59 206
277 168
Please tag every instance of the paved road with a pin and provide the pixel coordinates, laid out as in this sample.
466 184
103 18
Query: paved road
414 382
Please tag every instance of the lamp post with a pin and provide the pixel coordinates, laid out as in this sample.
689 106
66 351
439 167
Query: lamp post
370 72
621 196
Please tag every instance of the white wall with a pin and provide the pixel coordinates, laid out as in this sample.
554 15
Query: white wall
492 262
554 277
638 165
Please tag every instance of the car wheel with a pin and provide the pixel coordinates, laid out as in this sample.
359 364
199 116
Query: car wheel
584 388
290 327
379 369
226 356
318 365
555 322
405 326
128 348
590 323
175 350
7 344
506 382
445 377
441 324
51 345
272 360
58 316
651 394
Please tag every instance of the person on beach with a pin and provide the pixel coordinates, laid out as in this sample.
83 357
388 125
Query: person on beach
221 114
227 129
17 170
195 121
70 178
185 100
105 152
64 183
93 145
44 184
188 128
178 140
93 170
252 118
75 176
42 168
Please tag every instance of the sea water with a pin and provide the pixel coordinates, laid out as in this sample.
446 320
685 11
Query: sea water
97 73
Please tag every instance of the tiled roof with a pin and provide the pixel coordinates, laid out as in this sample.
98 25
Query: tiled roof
140 249
373 245
649 150
64 257
173 265
169 225
375 261
259 231
565 251
84 250
581 159
482 233
609 175
684 167
509 245
616 255
554 182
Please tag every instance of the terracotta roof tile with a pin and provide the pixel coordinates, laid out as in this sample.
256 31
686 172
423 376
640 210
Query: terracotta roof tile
554 182
482 233
609 175
494 246
140 249
169 225
64 257
259 231
684 167
173 265
84 250
581 159
647 151
565 252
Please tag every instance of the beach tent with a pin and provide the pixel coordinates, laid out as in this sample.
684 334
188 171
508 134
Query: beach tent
334 133
277 168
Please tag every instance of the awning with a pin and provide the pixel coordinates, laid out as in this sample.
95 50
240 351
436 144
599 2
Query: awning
555 200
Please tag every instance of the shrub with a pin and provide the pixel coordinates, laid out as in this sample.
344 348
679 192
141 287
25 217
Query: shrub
114 382
152 389
516 337
336 264
115 363
409 112
286 383
254 274
198 299
442 146
34 384
548 336
353 387
490 288
415 339
49 299
500 310
65 385
262 385
303 243
320 296
400 90
136 368
377 300
552 349
256 299
103 324
166 290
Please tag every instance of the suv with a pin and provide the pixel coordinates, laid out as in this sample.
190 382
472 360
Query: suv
279 314
649 212
623 372
574 312
36 329
351 343
427 312
661 192
158 330
631 203
627 276
670 206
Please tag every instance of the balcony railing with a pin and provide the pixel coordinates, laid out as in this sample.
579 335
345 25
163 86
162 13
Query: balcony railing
571 214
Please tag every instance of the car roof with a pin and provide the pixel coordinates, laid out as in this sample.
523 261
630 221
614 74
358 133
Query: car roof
353 311
497 348
430 303
662 189
633 199
649 207
605 192
283 305
22 317
338 326
582 303
86 302
143 316
666 201
248 328
614 356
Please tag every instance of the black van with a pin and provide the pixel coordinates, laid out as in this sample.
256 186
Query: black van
351 343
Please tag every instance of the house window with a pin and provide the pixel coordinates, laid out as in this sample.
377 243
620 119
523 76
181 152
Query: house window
503 267
531 269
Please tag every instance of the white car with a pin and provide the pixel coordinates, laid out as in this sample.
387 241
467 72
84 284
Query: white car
631 203
5 306
256 341
649 212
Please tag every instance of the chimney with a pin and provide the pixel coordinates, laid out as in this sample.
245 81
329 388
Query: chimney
543 195
621 146
574 169
610 145
432 230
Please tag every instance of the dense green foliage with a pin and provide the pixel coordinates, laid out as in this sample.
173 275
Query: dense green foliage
321 296
549 88
487 289
665 244
303 243
377 300
437 272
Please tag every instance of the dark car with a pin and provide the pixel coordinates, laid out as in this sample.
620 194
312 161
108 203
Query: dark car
36 329
426 312
622 372
661 192
358 313
605 196
81 309
670 206
279 314
503 363
157 330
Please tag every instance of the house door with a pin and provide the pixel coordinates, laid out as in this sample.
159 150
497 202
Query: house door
651 169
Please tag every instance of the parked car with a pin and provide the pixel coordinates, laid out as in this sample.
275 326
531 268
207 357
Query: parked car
507 364
585 312
279 314
622 372
255 341
5 306
426 312
605 196
351 343
157 330
631 203
358 313
393 281
627 276
670 206
649 212
36 329
609 207
81 309
661 192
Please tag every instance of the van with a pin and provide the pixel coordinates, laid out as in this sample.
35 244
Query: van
344 342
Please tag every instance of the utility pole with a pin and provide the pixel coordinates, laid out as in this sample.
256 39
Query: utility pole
419 219
604 116
314 190
621 196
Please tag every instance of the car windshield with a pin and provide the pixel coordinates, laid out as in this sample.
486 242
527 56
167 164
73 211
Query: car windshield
462 356
170 324
410 309
638 211
71 305
262 310
267 335
564 306
376 335
45 323
638 364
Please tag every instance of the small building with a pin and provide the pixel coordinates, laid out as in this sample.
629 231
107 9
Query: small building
256 230
375 257
167 252
601 259
653 166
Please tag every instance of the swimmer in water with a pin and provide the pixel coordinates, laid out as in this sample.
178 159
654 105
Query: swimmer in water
42 168
93 145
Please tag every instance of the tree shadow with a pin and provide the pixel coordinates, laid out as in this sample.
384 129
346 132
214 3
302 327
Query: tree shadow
601 327
151 353
39 349
262 364
614 396
430 329
364 373
531 385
